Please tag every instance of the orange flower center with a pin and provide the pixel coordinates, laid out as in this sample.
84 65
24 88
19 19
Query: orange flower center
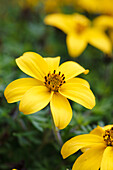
108 137
80 27
54 81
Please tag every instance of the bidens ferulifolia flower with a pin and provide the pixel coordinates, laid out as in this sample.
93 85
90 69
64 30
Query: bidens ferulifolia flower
79 32
105 22
97 147
50 83
97 6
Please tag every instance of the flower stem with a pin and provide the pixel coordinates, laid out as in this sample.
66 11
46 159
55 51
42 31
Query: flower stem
56 133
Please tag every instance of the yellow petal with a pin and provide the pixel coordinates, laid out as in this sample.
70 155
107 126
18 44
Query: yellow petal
78 81
61 110
98 131
33 64
99 40
76 44
107 160
103 22
107 127
90 160
16 89
71 69
78 93
52 63
66 23
81 19
61 21
90 5
81 141
35 99
86 71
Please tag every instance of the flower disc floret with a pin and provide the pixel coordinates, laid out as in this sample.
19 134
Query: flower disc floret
108 137
54 81
80 28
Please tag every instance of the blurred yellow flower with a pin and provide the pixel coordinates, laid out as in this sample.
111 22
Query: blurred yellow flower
98 152
51 6
105 22
79 33
97 6
50 83
46 6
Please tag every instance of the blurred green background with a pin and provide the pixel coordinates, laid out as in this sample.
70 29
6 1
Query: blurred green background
27 142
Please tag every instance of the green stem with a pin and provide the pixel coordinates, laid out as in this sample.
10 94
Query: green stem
56 133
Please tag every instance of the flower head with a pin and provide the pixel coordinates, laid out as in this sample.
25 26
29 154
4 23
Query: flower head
50 83
97 147
105 22
97 6
79 33
50 6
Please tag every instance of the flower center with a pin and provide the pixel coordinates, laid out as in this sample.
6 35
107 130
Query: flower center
53 81
80 28
108 137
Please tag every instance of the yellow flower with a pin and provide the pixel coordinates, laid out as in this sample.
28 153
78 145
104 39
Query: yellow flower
98 147
105 22
50 6
50 83
97 6
79 33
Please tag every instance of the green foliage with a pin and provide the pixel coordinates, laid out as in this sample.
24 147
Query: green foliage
28 142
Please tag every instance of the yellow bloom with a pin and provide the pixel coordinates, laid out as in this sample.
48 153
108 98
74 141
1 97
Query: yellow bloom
50 83
51 6
98 149
97 6
79 33
105 22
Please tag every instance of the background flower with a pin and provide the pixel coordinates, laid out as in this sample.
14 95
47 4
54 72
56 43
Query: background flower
79 33
97 6
98 152
105 22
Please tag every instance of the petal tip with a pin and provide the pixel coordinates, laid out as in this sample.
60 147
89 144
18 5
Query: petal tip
86 71
93 105
6 95
62 153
